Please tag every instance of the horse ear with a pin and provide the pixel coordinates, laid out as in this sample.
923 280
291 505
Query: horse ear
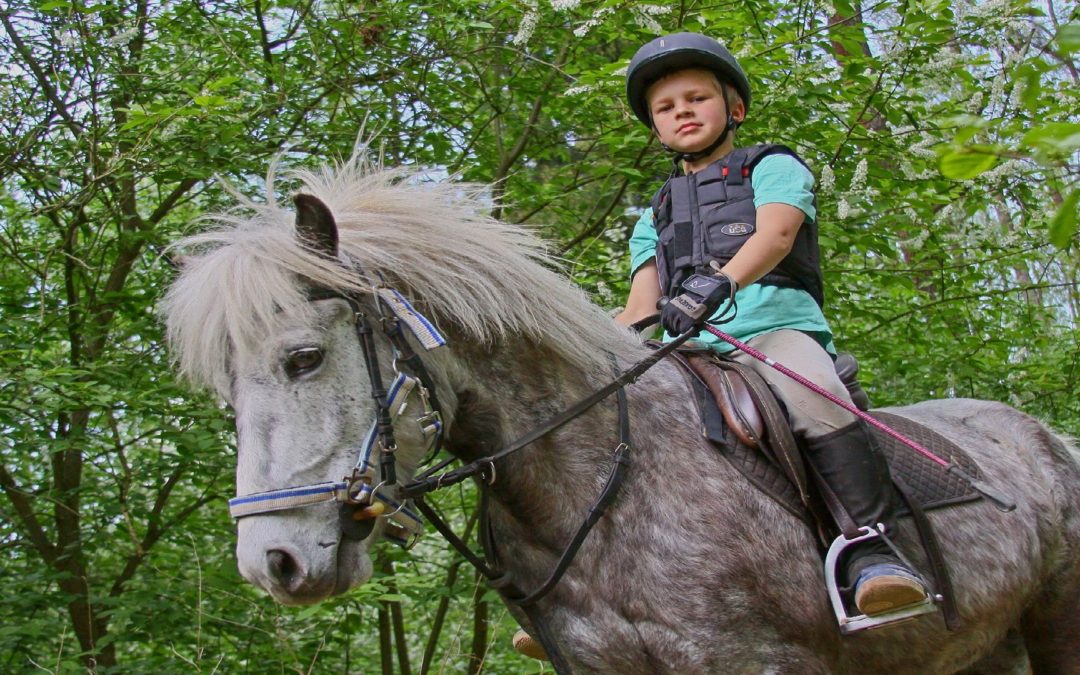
315 224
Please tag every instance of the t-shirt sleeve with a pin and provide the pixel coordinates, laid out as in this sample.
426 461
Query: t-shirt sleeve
783 179
642 241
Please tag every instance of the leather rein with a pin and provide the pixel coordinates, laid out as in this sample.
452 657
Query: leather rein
360 492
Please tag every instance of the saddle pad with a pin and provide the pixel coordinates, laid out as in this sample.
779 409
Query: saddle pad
928 483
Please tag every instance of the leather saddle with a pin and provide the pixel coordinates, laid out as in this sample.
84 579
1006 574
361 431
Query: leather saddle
737 390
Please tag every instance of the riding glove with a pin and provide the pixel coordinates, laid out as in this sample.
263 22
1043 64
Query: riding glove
702 295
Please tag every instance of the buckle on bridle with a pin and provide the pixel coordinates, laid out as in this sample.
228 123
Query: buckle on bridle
354 488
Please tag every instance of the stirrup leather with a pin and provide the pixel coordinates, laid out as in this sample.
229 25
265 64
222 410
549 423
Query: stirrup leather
851 621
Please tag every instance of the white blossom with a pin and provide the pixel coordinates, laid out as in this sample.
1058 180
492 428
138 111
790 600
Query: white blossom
647 22
919 149
859 179
528 25
828 180
583 30
654 10
123 36
991 8
944 215
604 291
843 209
975 104
918 239
1007 169
1015 99
564 5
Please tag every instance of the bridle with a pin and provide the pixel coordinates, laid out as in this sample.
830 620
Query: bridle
359 490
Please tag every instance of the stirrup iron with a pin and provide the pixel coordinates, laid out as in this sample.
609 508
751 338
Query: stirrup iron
852 621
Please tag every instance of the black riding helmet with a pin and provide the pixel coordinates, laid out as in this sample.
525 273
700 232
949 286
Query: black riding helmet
680 51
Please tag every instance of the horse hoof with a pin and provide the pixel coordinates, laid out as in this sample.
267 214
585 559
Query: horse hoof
526 646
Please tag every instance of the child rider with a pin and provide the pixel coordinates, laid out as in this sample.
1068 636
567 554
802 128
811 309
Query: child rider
742 222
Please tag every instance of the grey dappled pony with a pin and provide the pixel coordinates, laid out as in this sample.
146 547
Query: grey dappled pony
692 570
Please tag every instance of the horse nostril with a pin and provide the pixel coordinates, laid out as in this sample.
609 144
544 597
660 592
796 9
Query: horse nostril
283 568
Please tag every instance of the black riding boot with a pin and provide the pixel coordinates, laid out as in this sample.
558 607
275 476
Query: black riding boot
854 467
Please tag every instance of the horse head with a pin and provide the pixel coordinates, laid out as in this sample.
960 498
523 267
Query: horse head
288 313
306 389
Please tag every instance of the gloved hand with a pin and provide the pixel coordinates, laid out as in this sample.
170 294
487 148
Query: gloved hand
702 295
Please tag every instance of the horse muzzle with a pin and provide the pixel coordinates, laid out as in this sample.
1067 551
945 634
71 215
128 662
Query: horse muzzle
312 565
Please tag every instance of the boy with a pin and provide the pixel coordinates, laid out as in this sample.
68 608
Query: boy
741 223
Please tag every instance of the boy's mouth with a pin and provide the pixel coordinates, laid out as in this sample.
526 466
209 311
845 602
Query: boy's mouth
688 126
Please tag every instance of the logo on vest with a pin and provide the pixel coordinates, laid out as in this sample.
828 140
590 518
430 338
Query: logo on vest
737 229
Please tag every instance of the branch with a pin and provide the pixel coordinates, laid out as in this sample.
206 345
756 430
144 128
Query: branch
156 529
39 74
917 309
598 223
21 502
264 42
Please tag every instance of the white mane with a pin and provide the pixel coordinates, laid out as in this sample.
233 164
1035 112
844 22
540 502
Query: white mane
431 241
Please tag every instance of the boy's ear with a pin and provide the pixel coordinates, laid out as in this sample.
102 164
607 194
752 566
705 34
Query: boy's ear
738 111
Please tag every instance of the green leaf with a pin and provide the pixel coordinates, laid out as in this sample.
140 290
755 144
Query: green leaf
1063 224
1068 38
966 163
1057 136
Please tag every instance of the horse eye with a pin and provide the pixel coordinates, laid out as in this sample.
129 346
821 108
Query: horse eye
303 360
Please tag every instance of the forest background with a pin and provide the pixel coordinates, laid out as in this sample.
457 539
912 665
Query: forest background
944 136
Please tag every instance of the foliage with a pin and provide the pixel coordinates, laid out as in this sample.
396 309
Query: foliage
944 136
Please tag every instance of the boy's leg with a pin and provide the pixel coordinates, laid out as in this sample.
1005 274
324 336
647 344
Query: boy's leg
843 451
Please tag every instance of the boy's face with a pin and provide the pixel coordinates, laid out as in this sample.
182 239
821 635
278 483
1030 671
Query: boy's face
688 109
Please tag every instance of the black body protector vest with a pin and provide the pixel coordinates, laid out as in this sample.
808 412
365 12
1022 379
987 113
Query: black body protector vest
709 215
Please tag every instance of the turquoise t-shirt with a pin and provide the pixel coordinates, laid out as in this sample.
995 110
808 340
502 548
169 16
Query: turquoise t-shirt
763 308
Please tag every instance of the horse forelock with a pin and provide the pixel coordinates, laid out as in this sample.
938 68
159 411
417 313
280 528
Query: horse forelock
432 241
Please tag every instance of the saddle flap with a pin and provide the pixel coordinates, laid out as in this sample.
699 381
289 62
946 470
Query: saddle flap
733 398
753 414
